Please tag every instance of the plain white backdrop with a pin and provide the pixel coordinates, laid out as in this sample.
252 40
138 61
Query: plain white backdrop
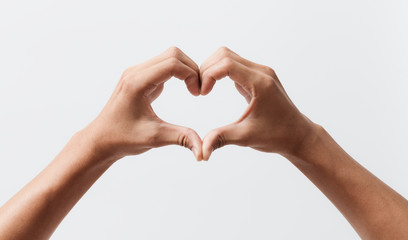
344 64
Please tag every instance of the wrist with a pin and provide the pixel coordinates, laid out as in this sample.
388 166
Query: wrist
306 144
86 141
319 152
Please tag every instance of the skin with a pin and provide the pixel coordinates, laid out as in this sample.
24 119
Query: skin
126 126
272 123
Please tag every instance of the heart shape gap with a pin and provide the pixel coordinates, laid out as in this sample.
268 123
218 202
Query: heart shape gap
222 106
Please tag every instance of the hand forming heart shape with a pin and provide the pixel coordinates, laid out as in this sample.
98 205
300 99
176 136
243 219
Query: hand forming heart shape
128 125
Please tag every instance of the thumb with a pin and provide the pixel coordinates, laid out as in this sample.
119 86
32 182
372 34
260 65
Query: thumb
173 134
230 134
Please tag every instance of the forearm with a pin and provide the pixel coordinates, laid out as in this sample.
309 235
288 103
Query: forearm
36 211
127 125
373 209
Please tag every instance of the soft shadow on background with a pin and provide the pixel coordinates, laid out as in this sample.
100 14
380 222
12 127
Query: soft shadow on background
343 63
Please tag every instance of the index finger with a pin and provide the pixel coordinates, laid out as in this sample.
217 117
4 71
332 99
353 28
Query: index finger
238 72
171 67
193 84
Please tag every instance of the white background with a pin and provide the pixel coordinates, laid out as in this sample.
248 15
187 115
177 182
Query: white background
344 63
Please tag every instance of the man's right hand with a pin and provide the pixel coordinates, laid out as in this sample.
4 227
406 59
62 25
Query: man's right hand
271 123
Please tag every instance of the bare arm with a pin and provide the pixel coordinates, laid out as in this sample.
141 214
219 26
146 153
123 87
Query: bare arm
272 123
374 209
36 211
126 126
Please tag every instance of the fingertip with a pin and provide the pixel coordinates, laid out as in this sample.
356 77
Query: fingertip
183 136
195 93
193 86
206 154
196 145
207 148
207 84
198 153
194 150
203 93
206 88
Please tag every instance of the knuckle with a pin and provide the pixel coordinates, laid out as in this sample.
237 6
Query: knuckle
173 62
127 83
224 51
227 62
183 139
204 75
174 52
268 70
201 67
267 83
189 132
128 78
220 140
127 71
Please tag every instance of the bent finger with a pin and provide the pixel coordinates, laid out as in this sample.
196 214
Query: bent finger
172 67
170 134
226 67
224 52
230 134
